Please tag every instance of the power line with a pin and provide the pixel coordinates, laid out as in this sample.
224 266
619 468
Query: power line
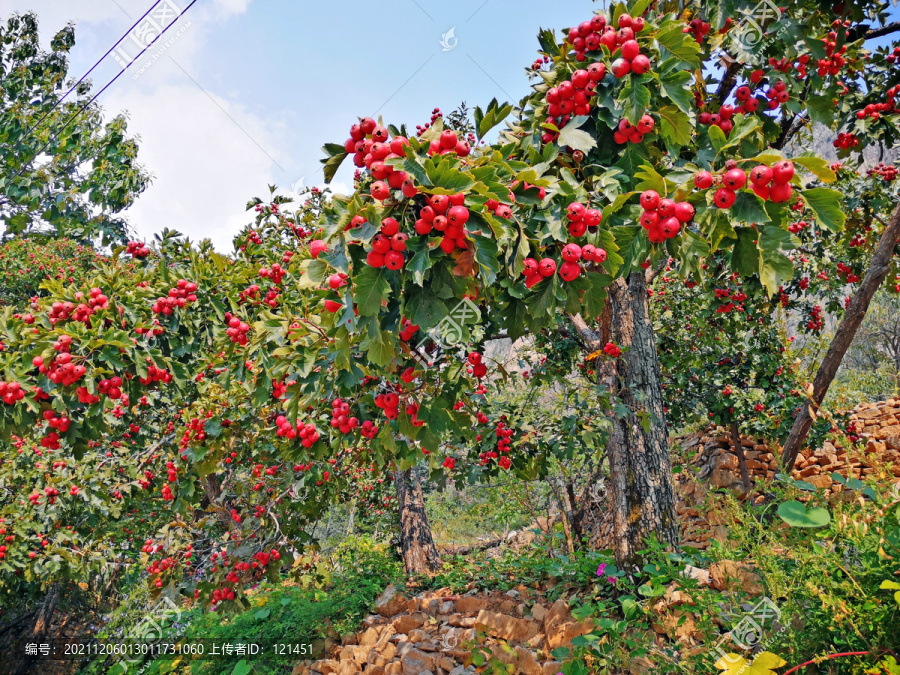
85 76
97 95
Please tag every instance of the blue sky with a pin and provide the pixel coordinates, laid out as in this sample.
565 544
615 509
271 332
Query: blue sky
243 93
262 84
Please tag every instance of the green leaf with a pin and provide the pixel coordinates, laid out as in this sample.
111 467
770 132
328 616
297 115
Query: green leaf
796 514
745 255
262 614
487 257
680 44
443 175
370 290
675 87
674 125
242 668
495 114
817 166
334 156
635 98
826 205
748 208
576 138
379 344
424 309
717 138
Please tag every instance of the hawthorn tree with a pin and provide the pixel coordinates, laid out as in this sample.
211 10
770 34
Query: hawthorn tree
63 170
303 352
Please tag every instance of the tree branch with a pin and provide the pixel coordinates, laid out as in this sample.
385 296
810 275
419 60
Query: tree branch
884 30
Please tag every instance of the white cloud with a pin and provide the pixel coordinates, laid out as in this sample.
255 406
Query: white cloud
205 167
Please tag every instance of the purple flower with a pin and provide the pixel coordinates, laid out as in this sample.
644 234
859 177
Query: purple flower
611 580
600 569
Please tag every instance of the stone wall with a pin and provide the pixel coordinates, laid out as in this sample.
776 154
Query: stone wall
712 454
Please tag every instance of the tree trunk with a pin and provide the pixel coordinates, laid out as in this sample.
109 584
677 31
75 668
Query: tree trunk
420 556
856 312
739 451
640 485
39 630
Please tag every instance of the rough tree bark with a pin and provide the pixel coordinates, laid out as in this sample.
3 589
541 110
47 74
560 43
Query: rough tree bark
856 312
742 460
420 555
640 486
39 631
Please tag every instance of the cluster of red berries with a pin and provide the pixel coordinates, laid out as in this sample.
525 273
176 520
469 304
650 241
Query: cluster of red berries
846 141
661 217
181 296
371 145
785 64
887 172
572 97
631 60
893 56
195 432
336 281
612 350
11 392
275 273
748 102
387 246
448 215
476 367
340 417
835 61
589 36
237 330
85 397
111 387
633 133
874 110
698 28
369 429
721 119
407 330
500 210
412 410
51 441
389 403
138 249
251 295
797 226
61 424
155 330
581 219
95 302
847 271
435 114
449 142
816 320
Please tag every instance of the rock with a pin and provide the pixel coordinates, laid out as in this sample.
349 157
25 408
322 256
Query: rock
507 627
723 478
701 575
328 667
446 607
470 604
552 667
728 574
368 638
416 662
391 602
417 635
406 623
641 666
820 481
726 461
538 612
563 635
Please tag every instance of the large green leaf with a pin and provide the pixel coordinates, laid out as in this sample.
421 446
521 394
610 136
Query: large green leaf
675 87
487 257
334 156
745 255
825 203
796 514
370 289
748 208
674 125
817 166
487 120
576 138
681 44
635 97
424 309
